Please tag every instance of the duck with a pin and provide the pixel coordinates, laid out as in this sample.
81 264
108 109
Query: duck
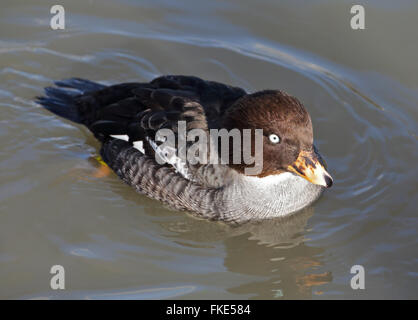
127 117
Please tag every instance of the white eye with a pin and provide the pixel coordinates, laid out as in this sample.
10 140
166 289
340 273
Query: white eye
274 138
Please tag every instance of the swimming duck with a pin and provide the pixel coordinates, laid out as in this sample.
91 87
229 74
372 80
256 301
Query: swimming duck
126 117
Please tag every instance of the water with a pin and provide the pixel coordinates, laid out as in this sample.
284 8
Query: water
360 87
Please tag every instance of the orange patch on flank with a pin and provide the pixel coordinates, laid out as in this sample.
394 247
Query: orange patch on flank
310 280
102 171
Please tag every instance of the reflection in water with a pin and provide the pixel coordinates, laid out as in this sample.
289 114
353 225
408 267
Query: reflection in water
275 251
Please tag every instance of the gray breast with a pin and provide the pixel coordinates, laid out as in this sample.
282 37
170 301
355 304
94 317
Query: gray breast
274 196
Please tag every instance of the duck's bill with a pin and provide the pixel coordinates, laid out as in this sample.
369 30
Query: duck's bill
309 166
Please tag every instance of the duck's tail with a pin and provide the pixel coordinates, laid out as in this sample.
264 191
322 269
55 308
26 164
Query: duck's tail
61 99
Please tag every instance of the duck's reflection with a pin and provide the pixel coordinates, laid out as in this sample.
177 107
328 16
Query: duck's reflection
275 253
277 250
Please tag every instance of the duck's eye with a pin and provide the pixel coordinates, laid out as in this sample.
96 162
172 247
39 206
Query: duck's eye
274 138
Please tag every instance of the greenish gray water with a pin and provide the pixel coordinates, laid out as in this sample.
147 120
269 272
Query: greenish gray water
360 87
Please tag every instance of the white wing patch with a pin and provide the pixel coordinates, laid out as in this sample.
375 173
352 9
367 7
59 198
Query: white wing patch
120 136
168 155
139 145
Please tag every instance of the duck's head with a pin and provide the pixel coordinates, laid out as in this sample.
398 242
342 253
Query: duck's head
287 135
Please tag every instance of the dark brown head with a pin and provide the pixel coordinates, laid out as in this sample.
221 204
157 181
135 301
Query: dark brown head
287 134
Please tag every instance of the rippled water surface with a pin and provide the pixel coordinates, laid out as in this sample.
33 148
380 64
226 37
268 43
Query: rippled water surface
360 87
